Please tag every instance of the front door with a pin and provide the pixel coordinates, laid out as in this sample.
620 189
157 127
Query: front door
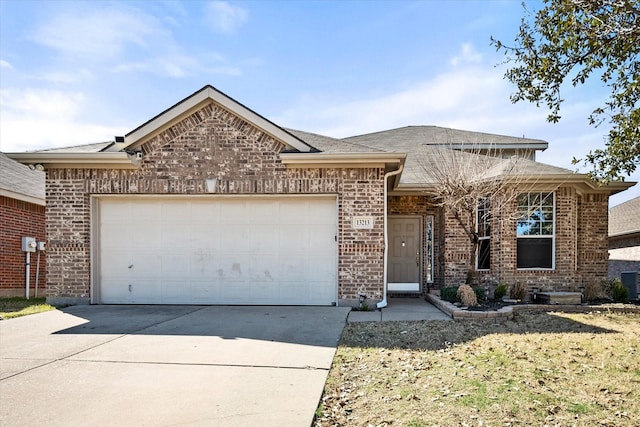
404 254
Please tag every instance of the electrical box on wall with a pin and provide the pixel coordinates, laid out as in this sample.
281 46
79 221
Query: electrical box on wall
40 246
29 244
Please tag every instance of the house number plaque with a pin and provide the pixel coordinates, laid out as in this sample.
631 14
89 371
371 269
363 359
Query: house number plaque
362 222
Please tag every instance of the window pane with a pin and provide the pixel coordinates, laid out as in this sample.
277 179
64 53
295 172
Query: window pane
536 215
547 200
484 254
548 213
547 228
535 253
523 228
535 199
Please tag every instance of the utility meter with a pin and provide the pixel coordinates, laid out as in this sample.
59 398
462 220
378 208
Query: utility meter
29 244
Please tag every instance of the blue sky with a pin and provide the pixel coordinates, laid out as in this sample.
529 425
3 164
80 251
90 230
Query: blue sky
81 72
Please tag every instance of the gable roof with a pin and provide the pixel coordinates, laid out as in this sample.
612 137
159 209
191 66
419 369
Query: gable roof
20 182
625 218
207 94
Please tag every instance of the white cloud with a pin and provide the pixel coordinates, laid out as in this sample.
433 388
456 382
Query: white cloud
35 119
467 55
224 18
99 35
472 98
5 64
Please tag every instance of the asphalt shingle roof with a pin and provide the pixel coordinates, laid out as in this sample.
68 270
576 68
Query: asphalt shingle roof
625 218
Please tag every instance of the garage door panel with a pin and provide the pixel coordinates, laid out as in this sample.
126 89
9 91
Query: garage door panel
264 212
144 235
235 238
321 214
176 291
204 212
175 265
145 210
190 250
203 263
143 265
118 263
295 240
263 240
112 232
205 291
146 292
173 237
115 291
233 212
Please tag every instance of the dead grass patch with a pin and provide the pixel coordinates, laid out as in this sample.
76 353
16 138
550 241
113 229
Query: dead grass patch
553 369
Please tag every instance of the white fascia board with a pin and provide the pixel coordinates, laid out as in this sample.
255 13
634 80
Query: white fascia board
100 160
137 137
22 197
327 160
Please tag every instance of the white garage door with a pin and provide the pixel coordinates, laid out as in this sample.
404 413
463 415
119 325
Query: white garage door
225 250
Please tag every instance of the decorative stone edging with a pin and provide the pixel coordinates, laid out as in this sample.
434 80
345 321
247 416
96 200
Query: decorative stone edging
507 313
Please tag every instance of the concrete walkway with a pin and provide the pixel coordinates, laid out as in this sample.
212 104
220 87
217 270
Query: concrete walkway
399 309
167 365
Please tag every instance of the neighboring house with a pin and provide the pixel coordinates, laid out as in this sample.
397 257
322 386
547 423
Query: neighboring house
624 238
22 214
211 203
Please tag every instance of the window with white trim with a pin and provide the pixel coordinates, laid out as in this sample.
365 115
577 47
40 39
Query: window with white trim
535 230
483 230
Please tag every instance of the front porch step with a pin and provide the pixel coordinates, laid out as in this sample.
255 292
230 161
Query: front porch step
559 298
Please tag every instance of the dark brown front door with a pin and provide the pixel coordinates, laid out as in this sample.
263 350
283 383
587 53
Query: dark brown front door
404 253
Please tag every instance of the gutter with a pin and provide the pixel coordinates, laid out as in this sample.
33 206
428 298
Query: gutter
98 160
383 303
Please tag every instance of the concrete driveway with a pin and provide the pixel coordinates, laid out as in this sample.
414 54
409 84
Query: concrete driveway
167 365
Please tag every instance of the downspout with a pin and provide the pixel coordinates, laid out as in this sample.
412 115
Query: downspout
383 303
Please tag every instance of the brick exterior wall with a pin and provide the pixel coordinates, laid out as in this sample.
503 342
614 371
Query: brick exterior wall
20 219
580 243
212 143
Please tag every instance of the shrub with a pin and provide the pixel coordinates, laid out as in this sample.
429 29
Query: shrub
467 296
449 294
500 291
481 294
619 292
592 291
608 285
518 291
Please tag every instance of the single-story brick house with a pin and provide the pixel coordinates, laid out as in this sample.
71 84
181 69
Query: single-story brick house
211 203
624 238
22 214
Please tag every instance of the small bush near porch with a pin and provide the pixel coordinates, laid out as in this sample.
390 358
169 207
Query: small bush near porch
540 369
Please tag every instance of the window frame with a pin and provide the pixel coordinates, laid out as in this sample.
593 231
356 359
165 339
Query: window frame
552 236
483 229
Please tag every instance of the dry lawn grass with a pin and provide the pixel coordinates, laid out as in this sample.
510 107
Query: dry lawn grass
541 369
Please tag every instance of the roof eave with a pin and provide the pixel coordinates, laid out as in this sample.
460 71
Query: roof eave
22 197
100 160
330 160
